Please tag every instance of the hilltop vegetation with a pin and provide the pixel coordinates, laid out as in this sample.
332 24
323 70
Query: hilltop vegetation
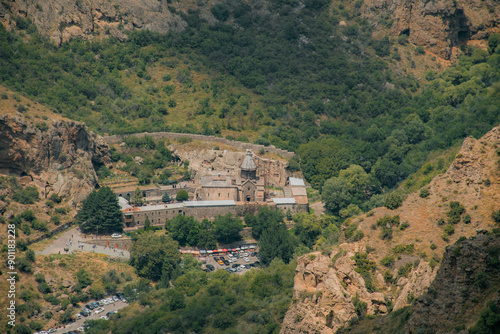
298 80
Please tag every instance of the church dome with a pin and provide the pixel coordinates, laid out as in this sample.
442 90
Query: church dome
248 163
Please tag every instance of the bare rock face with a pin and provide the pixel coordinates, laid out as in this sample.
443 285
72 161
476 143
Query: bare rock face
60 159
469 271
64 19
325 291
438 26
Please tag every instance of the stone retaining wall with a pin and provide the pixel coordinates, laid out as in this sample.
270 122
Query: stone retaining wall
115 139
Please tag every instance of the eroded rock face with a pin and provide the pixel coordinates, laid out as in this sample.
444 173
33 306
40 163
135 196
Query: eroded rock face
438 26
60 159
64 19
324 290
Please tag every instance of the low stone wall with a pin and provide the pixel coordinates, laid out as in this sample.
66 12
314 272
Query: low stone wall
171 135
49 234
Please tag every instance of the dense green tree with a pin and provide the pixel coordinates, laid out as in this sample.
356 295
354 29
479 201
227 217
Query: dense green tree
227 228
165 198
184 229
147 224
207 238
335 194
266 216
100 212
182 195
137 197
155 256
276 242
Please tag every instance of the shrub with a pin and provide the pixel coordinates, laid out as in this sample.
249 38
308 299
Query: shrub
456 210
28 195
419 50
466 218
44 288
394 200
433 246
184 140
55 198
449 229
424 192
495 215
387 261
404 249
405 270
404 226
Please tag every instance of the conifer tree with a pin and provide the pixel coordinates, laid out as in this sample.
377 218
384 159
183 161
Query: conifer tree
137 197
100 213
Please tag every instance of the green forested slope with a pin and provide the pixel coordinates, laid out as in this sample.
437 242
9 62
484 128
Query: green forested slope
283 74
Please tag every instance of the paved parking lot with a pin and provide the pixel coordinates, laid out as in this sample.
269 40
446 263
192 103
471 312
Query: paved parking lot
79 323
241 260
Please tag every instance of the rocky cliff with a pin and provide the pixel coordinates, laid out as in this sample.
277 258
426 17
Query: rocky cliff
440 26
58 157
64 19
333 290
469 274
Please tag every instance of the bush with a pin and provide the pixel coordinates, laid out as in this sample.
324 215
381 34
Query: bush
495 215
449 229
55 198
456 210
466 219
424 192
44 288
419 50
387 261
182 195
394 200
28 195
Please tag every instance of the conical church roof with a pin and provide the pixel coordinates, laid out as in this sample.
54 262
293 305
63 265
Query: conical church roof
248 163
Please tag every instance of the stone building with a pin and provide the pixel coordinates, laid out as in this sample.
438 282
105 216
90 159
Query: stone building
209 209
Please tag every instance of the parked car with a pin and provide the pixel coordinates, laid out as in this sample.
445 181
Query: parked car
94 304
210 267
247 259
104 317
115 299
90 306
116 235
253 254
99 310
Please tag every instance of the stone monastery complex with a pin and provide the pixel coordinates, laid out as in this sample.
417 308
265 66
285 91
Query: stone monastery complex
235 189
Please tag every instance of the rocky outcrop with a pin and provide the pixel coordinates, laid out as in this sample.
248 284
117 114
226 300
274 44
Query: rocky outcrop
325 292
439 26
60 157
329 292
469 273
64 19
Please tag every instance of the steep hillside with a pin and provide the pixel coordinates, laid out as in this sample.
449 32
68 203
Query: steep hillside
59 156
441 27
63 20
464 295
398 253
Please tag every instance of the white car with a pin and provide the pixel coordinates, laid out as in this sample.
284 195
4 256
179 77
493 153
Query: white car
116 235
246 259
99 310
81 329
115 299
104 317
